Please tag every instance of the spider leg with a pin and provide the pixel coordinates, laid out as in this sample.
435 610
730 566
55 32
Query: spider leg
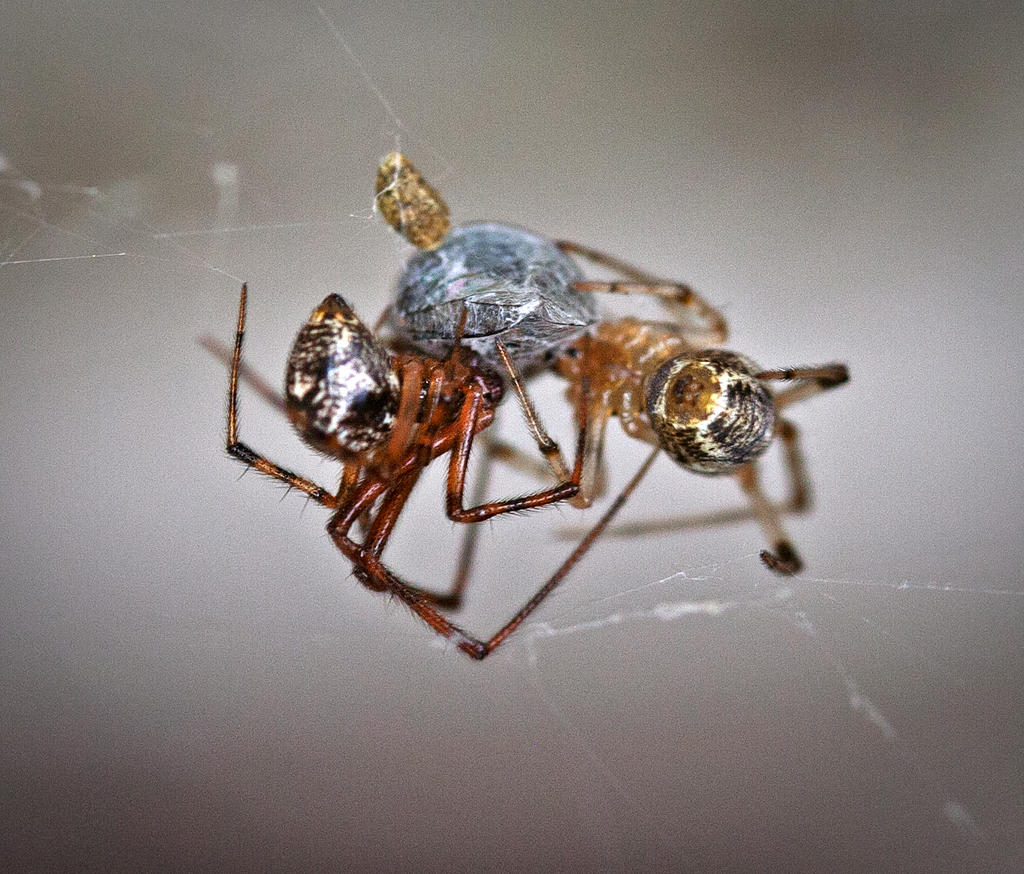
458 466
496 449
798 500
547 446
405 420
574 557
807 381
678 297
242 451
799 484
452 599
400 486
259 384
374 574
593 413
784 559
466 428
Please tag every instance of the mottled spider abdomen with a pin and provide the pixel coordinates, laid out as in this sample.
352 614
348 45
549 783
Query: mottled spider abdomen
710 412
515 287
341 388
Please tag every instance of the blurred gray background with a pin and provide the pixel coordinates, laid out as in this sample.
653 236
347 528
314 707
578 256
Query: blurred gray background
191 677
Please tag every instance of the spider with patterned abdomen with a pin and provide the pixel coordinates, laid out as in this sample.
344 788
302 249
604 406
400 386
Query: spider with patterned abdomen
385 416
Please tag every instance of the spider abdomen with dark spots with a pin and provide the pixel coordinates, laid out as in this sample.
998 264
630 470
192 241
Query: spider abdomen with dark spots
710 412
341 387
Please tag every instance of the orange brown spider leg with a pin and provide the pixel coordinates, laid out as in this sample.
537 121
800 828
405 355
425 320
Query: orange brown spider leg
674 295
243 452
458 466
246 374
374 574
421 449
574 557
459 463
358 507
405 419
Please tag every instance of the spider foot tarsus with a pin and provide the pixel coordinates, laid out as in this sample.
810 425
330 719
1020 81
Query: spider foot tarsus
784 560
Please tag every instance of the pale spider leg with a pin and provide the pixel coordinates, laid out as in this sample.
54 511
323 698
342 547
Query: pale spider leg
603 259
677 296
514 457
382 321
799 484
375 575
593 455
548 447
798 500
784 559
240 450
809 381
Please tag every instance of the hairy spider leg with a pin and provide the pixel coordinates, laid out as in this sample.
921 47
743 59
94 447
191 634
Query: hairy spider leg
242 451
458 440
379 577
364 484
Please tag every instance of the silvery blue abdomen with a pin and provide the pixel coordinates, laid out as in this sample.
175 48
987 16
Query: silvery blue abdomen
515 286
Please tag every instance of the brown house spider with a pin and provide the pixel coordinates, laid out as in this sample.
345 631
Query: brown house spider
385 416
